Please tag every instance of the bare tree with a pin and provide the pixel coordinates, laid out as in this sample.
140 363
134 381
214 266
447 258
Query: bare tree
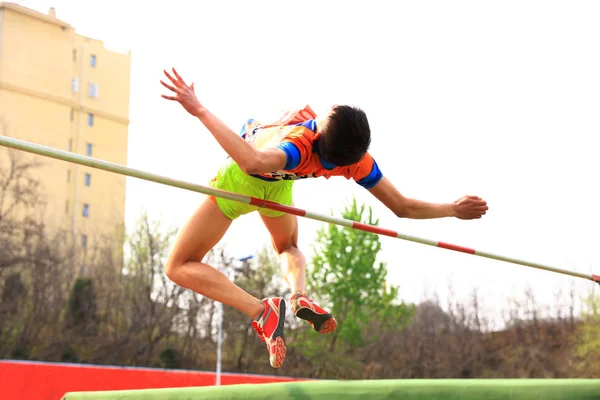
152 301
261 278
20 198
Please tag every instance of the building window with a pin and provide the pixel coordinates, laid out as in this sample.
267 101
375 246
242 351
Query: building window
93 61
72 114
74 55
84 241
68 175
91 119
87 180
67 207
88 149
93 90
70 144
86 210
75 85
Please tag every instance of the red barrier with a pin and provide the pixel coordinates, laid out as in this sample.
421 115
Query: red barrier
50 381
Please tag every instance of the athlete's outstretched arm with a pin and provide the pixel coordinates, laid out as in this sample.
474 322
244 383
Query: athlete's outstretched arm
250 160
468 207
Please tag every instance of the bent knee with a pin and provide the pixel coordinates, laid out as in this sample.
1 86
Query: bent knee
290 247
283 246
171 268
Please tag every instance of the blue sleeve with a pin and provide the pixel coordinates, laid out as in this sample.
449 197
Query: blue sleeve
310 124
292 155
372 179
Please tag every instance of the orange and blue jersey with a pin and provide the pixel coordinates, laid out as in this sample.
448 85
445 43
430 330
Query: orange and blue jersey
297 135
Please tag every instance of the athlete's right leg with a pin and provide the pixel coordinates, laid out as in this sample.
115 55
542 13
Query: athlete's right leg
185 267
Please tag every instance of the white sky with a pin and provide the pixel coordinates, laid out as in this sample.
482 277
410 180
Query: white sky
496 99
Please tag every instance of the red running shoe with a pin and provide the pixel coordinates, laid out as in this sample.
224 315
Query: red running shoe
306 309
270 329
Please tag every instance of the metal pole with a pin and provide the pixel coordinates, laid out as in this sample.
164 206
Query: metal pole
220 325
219 343
119 169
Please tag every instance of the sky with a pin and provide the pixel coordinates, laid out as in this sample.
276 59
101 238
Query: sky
495 99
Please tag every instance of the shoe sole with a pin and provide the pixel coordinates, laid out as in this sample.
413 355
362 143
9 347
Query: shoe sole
322 323
280 350
280 347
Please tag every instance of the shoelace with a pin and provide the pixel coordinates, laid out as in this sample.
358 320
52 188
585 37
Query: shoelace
295 302
259 330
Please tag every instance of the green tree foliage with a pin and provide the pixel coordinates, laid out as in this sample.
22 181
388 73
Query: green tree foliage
82 305
347 276
587 340
170 358
69 355
13 288
13 293
20 353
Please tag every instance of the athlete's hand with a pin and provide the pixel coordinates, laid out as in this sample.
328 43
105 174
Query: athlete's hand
470 207
184 94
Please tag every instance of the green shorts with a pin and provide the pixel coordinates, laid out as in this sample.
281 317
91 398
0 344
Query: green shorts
232 179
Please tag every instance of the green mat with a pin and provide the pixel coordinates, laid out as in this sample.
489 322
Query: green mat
519 389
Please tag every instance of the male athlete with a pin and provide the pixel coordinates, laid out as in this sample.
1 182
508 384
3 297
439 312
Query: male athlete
265 159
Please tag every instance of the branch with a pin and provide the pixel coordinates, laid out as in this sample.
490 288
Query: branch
12 262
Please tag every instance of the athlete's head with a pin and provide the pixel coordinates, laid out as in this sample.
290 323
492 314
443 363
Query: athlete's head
345 136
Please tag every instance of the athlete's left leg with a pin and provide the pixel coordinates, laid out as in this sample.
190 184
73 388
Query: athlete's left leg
284 236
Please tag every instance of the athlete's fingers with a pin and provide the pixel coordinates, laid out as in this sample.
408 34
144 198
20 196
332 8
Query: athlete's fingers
179 77
175 82
478 203
169 86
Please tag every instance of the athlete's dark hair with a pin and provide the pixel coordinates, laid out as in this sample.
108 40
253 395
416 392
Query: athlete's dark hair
346 136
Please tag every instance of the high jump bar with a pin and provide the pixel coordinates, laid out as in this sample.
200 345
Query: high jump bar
120 169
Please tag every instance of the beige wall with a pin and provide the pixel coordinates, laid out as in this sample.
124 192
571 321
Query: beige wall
39 58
